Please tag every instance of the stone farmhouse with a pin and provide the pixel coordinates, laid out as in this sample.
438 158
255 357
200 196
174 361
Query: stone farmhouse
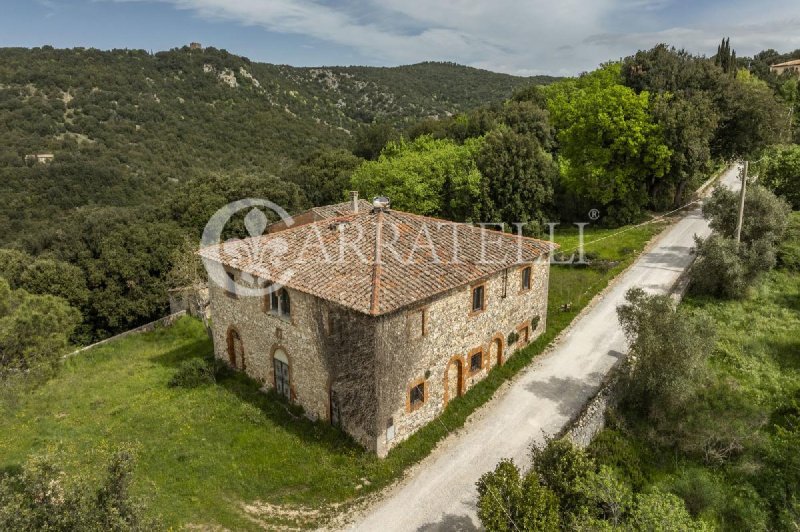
373 319
788 66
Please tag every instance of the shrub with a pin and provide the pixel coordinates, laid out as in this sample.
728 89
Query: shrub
194 372
611 496
780 172
661 511
726 270
508 502
41 497
564 468
668 346
766 215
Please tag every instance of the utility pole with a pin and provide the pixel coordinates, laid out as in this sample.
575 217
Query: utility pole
741 205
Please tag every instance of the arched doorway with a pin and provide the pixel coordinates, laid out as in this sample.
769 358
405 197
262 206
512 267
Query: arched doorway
235 348
454 379
280 363
496 351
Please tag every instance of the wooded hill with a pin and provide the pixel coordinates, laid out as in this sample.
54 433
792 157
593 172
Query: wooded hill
124 123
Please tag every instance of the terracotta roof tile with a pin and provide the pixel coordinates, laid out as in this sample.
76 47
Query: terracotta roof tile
377 263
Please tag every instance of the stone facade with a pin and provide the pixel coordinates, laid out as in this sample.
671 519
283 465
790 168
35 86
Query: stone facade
369 364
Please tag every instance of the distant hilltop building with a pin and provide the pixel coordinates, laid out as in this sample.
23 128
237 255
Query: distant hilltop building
195 46
42 158
788 66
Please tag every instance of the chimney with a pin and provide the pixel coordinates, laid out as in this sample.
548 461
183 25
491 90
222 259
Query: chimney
354 200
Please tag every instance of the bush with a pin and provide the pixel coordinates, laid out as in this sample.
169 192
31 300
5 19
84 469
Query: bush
668 346
725 270
41 497
780 172
661 511
766 215
194 372
508 502
564 468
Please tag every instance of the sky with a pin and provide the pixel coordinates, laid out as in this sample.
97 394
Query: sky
524 37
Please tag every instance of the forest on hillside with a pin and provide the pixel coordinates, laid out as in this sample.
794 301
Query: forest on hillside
147 147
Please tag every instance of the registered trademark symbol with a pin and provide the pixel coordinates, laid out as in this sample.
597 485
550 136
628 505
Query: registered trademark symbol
594 214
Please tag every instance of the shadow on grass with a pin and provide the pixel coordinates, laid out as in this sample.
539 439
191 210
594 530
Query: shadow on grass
275 408
785 352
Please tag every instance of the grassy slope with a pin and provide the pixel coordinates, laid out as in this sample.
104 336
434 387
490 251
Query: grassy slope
754 371
203 452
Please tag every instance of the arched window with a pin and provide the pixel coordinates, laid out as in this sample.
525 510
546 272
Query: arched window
279 302
235 348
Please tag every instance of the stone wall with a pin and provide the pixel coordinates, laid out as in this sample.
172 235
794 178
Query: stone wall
262 332
370 363
453 333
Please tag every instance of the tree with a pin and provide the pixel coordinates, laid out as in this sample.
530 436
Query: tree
42 497
726 269
507 502
751 117
688 122
766 216
34 331
325 175
610 149
425 176
564 469
58 278
668 347
518 175
608 493
726 58
370 139
780 172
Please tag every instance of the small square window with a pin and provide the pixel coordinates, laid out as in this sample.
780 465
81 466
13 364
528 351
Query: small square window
478 298
476 362
417 396
526 278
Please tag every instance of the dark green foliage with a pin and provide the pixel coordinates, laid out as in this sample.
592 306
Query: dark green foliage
719 269
725 268
518 177
41 497
687 122
192 373
726 58
564 469
325 176
668 347
780 172
508 502
370 139
34 331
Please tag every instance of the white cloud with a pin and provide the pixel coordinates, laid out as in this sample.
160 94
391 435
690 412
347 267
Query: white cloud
515 36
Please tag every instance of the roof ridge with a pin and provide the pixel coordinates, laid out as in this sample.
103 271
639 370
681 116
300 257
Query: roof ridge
475 228
376 266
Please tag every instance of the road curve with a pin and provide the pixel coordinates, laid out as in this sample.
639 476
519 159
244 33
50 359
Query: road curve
439 494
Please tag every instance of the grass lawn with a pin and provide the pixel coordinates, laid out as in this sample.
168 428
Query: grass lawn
204 453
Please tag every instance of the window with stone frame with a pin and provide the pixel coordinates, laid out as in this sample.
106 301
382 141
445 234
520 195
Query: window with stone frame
476 362
416 396
526 278
279 303
478 298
